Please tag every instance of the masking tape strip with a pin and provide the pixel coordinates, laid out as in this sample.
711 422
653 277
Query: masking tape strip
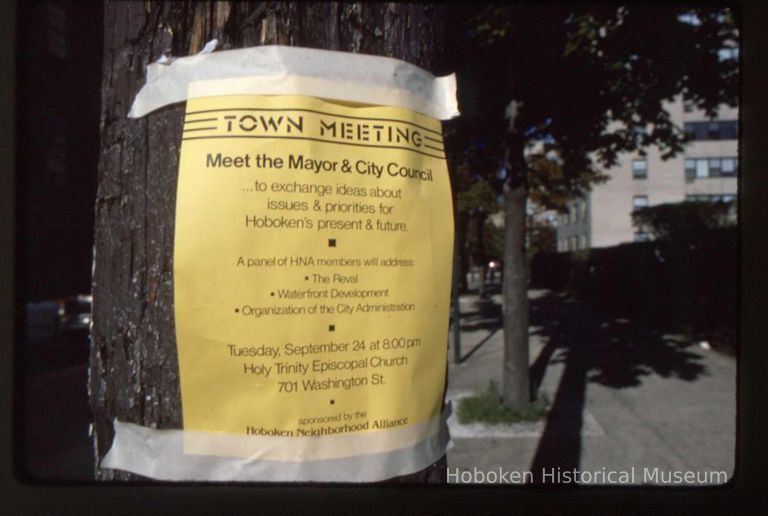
309 448
281 70
160 454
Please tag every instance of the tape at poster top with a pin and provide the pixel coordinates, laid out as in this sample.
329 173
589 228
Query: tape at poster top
282 70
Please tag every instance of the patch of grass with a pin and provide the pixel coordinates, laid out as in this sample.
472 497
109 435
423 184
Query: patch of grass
487 407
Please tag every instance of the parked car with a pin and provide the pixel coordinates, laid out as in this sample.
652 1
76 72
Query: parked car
57 334
75 312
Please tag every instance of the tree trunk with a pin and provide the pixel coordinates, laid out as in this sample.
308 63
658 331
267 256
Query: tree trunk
516 384
461 231
477 242
133 370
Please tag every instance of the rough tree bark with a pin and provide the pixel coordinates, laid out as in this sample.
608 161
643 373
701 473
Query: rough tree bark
133 369
516 389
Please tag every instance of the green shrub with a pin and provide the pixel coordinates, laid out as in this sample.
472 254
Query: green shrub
684 220
487 407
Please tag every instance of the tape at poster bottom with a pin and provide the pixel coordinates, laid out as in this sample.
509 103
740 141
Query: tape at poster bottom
159 454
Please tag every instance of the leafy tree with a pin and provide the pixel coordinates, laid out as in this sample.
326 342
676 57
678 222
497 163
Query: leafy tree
586 84
493 243
473 205
542 237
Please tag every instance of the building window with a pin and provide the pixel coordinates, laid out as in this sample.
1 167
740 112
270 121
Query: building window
728 166
725 54
702 168
583 241
714 167
710 167
710 198
642 236
714 130
639 169
729 130
639 201
690 168
574 243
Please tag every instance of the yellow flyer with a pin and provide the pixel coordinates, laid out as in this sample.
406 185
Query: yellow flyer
312 264
312 270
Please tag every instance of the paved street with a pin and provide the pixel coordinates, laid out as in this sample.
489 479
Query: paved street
55 428
625 398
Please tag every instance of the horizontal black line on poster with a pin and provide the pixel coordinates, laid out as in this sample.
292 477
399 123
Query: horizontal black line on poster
311 139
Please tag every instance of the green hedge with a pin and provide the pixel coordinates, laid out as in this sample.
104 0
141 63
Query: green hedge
687 284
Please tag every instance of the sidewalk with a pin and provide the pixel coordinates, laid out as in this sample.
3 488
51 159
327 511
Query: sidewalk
624 397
